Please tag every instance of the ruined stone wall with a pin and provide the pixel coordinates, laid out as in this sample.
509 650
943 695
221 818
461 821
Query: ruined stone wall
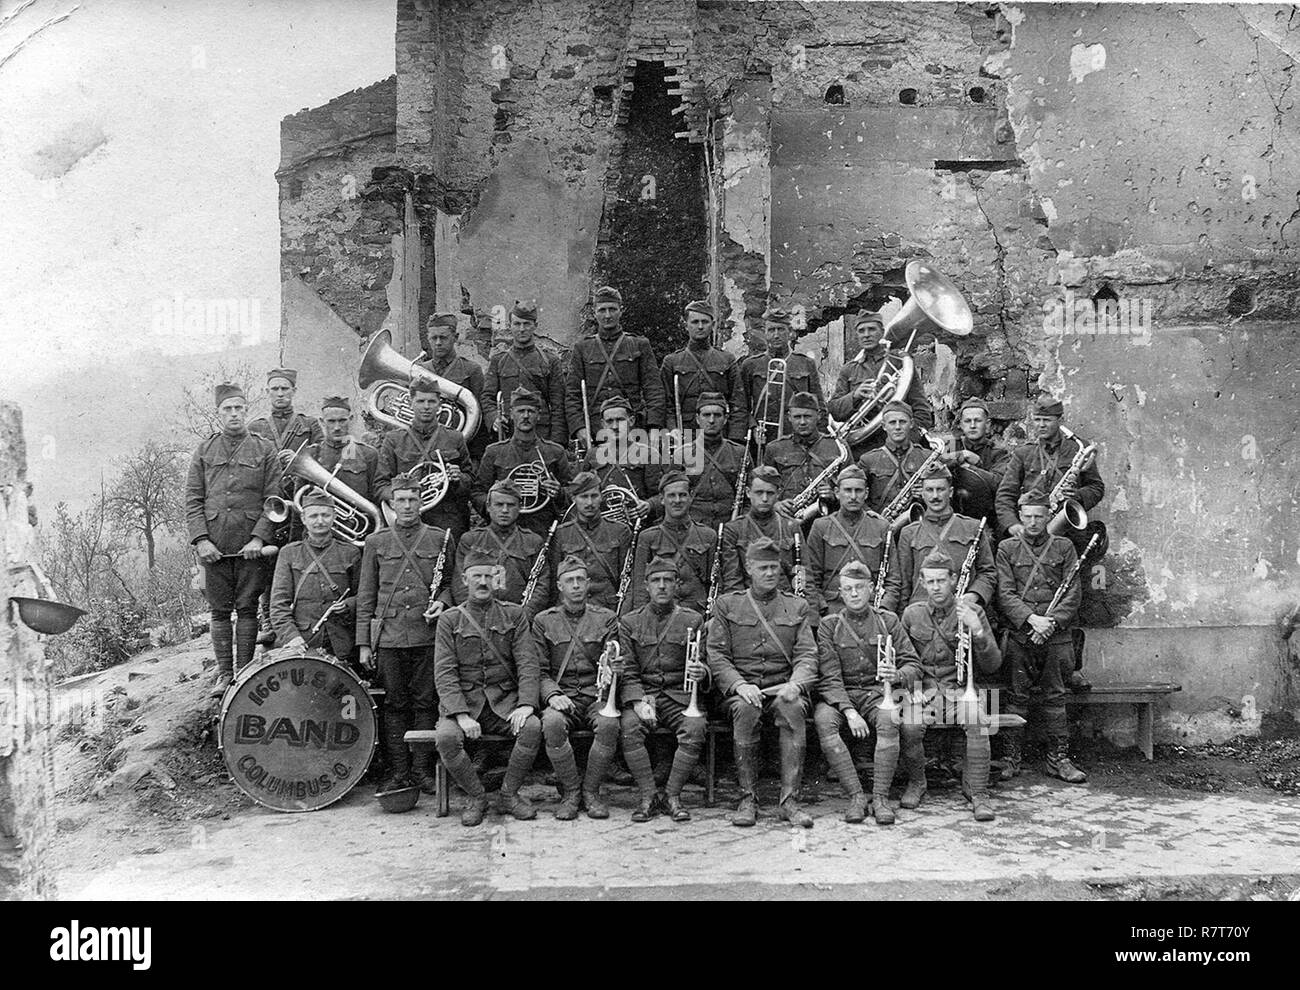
26 746
336 232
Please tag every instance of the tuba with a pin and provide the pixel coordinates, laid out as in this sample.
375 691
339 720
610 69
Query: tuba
386 377
355 517
933 304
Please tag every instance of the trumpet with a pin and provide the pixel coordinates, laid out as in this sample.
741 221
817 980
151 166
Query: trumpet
355 517
607 678
962 658
886 669
1071 512
386 377
798 585
694 646
905 508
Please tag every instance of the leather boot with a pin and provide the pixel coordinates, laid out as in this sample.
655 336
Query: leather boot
841 764
858 805
399 755
914 762
638 762
424 761
1059 765
245 640
975 776
884 766
1011 753
792 757
522 758
598 760
747 774
265 633
570 785
461 771
676 811
223 646
475 810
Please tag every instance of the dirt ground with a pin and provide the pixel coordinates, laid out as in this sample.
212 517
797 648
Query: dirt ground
145 807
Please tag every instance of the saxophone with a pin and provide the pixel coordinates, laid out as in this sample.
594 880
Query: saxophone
898 513
1068 511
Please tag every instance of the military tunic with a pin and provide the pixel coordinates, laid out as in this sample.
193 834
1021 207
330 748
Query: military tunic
631 467
228 480
654 642
307 581
934 634
466 373
500 673
713 472
1040 466
737 535
888 470
540 373
622 364
504 456
980 481
396 570
288 432
800 460
515 550
847 647
404 449
604 545
953 534
835 541
691 545
580 639
696 370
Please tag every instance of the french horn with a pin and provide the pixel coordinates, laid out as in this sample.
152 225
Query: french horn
386 377
528 477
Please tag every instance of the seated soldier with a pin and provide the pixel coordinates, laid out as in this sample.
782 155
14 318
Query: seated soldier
486 670
655 640
763 658
935 627
854 691
571 637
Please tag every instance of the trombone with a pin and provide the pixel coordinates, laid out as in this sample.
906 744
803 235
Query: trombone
775 379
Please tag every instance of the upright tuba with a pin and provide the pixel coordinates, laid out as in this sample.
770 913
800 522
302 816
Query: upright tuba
355 517
386 377
934 304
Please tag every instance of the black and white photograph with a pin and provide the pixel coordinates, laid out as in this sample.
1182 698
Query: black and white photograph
651 450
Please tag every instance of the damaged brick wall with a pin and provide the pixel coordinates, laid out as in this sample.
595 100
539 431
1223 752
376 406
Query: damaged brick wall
333 236
26 743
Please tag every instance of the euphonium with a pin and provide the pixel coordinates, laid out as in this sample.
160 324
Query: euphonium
607 678
693 647
1071 511
934 303
355 517
386 376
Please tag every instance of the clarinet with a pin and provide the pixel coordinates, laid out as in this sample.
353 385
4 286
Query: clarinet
438 567
625 579
715 575
740 478
879 597
535 574
962 660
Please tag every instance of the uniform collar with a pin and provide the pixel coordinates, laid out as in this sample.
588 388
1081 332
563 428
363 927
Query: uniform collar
935 517
325 544
1035 541
764 599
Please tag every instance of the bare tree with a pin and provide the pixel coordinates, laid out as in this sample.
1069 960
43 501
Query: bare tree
80 554
196 416
146 497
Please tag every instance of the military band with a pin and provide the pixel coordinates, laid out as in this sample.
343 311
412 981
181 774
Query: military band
626 589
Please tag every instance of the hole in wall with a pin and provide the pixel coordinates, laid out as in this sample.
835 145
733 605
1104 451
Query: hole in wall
976 94
1242 301
907 97
835 95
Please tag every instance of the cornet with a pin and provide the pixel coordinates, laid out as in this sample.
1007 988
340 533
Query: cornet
886 670
386 376
693 646
607 678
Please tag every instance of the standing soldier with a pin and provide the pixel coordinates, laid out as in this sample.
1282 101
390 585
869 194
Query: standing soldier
763 658
713 462
851 533
760 521
700 368
440 357
892 466
601 544
314 593
486 671
426 444
525 447
934 626
1031 566
525 365
977 463
762 403
612 362
350 460
395 607
802 454
654 640
231 475
859 380
287 429
620 462
512 548
852 693
571 637
941 528
1040 465
688 544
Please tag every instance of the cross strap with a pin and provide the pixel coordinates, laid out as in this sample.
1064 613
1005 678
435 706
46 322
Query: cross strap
766 625
483 636
854 547
574 640
600 559
609 362
847 626
1038 560
678 551
316 565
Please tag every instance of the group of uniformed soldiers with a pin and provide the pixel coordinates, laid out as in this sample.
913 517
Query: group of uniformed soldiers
800 612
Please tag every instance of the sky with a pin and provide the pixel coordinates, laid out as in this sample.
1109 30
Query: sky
138 146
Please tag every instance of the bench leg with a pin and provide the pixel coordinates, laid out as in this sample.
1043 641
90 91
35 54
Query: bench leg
710 767
443 795
1146 729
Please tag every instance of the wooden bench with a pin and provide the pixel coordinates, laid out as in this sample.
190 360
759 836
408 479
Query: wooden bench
420 740
1142 696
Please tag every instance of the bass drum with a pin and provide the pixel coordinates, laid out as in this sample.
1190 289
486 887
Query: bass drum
297 732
